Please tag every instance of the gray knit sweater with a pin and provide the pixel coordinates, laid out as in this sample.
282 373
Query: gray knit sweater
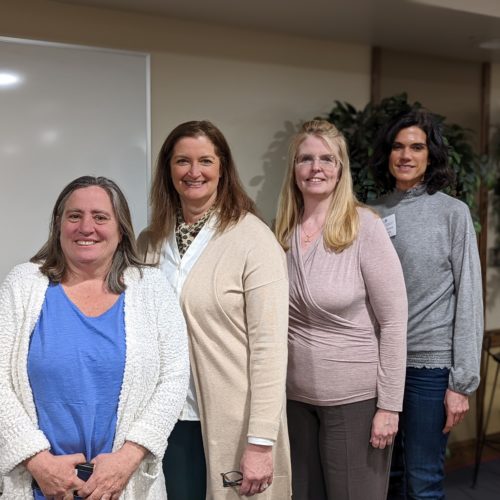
436 243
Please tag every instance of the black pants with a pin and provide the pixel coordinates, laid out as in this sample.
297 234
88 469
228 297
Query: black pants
184 463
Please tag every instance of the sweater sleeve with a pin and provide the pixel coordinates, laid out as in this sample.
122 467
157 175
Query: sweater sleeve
386 290
20 437
266 305
468 326
154 424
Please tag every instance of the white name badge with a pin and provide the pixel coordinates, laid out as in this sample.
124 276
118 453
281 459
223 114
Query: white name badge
390 224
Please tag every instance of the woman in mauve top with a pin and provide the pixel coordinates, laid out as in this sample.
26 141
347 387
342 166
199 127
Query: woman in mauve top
347 326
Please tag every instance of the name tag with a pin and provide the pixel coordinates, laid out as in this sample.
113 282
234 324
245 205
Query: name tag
390 224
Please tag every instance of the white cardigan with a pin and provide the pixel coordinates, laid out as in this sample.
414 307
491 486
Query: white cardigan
154 382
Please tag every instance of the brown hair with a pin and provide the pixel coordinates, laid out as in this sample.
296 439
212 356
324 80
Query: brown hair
51 256
231 202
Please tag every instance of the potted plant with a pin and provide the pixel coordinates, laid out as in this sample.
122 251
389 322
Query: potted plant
361 128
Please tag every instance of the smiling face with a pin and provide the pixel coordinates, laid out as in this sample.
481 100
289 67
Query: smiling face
195 170
89 232
317 169
409 157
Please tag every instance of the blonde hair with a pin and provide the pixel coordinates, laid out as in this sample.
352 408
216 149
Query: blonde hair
342 221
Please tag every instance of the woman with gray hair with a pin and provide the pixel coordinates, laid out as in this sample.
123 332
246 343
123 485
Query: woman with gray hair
347 326
93 358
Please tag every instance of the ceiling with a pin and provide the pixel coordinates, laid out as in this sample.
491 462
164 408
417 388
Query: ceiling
449 28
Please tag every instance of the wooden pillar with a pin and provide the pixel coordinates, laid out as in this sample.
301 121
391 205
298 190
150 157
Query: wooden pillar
484 140
375 75
483 236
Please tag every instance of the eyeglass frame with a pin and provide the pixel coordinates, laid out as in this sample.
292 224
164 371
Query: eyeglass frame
227 483
327 161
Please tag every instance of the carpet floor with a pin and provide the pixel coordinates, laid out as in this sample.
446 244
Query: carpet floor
458 483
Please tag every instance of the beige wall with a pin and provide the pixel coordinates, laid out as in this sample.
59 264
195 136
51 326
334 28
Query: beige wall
448 87
256 87
256 105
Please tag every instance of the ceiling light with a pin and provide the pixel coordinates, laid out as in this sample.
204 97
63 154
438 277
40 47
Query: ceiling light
9 79
493 44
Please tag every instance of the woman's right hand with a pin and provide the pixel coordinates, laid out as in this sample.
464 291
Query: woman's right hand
56 475
256 465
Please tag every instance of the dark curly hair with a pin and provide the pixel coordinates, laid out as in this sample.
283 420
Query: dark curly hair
438 174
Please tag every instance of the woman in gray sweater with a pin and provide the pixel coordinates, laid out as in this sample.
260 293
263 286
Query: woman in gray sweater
434 237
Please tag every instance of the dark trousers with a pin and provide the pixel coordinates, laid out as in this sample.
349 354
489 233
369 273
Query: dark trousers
417 471
184 463
332 458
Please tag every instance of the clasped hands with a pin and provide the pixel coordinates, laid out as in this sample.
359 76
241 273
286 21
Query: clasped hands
57 478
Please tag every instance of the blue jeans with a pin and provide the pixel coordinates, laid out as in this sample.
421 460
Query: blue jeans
417 470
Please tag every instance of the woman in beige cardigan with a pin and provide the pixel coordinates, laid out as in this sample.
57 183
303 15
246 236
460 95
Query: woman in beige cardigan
231 279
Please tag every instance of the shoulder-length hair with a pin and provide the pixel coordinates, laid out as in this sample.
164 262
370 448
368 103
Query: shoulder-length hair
51 257
342 220
438 174
231 202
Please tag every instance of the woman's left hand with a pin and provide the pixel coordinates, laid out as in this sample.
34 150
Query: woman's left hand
457 406
384 428
112 472
257 468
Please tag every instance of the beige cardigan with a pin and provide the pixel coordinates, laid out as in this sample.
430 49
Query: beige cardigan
235 301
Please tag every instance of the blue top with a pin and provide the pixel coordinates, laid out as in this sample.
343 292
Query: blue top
75 368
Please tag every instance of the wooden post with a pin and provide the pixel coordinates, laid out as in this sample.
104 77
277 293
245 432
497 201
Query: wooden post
484 138
375 71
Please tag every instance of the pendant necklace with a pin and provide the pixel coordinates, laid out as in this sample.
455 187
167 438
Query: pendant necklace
308 238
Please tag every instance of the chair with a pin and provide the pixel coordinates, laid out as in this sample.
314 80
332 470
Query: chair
482 438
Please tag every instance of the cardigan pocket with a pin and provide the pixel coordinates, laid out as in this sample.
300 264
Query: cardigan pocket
150 468
17 485
147 483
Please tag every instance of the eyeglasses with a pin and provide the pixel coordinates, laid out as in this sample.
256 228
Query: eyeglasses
326 161
231 478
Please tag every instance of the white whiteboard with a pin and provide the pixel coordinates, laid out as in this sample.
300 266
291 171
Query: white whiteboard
74 111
